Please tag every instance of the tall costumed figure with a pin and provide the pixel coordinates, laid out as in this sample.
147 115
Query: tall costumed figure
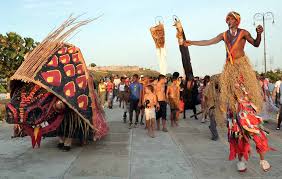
240 94
158 35
53 92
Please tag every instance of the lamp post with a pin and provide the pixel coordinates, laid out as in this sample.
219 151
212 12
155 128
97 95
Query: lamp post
263 17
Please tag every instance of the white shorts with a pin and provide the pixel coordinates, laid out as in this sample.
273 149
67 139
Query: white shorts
150 113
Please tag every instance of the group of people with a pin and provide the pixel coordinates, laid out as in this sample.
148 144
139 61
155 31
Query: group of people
111 88
272 98
149 97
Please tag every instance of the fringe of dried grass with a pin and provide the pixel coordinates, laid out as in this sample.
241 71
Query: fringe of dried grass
229 78
34 60
73 124
214 95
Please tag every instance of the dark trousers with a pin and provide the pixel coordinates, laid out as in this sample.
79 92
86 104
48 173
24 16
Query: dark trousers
134 107
213 123
194 111
279 117
277 99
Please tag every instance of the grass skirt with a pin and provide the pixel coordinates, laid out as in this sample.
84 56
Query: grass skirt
241 72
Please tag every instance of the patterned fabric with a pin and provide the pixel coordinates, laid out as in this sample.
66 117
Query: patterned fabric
243 127
63 76
158 35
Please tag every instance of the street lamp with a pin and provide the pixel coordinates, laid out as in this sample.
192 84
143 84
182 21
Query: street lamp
263 17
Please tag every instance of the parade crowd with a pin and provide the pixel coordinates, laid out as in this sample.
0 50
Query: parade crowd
149 98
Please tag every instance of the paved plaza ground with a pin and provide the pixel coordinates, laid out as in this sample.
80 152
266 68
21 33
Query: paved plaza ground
184 152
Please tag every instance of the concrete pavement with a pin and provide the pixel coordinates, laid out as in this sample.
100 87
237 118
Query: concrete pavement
184 152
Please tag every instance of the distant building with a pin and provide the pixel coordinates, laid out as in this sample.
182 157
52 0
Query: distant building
115 68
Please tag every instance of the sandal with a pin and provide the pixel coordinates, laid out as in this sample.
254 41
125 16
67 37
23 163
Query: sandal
265 165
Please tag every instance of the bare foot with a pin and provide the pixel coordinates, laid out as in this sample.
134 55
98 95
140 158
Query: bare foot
165 130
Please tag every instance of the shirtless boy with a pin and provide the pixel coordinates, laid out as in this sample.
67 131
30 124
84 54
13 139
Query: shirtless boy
173 96
161 97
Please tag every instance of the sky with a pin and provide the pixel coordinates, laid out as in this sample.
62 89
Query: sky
122 37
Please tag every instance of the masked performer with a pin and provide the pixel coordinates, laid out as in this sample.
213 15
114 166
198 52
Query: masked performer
240 95
158 35
53 91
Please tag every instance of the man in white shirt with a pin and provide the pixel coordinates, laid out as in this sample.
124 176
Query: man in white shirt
277 91
116 82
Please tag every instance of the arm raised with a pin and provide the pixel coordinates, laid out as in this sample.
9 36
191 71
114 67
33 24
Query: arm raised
251 40
205 42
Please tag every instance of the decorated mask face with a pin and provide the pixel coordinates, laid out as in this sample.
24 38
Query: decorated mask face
34 107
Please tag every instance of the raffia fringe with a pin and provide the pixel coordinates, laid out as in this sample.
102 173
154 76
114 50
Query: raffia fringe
229 78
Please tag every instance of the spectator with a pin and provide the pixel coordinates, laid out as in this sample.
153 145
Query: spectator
135 99
211 95
203 103
276 95
150 103
173 96
102 92
190 97
110 92
122 92
116 83
161 96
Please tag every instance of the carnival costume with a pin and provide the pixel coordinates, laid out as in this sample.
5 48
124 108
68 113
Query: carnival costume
53 90
241 95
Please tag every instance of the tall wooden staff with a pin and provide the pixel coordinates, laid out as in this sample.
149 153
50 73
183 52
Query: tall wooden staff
185 55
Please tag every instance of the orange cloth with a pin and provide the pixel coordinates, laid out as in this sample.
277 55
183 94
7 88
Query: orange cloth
229 48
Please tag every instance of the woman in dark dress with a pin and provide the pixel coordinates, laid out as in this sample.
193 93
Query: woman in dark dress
190 97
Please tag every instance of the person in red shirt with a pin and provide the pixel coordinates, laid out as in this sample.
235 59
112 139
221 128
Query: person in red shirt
110 92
